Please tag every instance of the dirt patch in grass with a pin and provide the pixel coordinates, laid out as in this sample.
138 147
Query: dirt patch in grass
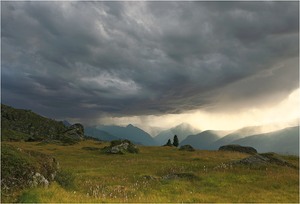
187 176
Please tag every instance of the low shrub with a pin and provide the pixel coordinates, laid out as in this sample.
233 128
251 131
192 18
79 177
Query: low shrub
66 179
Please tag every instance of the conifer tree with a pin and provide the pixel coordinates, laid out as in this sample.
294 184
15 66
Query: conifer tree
175 141
169 143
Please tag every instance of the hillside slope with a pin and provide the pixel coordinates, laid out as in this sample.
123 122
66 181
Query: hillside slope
19 124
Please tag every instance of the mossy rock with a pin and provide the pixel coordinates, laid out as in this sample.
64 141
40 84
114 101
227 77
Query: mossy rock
121 147
187 176
238 148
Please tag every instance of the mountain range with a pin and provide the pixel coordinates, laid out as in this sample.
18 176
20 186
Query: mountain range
139 136
238 134
284 141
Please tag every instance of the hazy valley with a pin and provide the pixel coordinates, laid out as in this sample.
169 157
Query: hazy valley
263 138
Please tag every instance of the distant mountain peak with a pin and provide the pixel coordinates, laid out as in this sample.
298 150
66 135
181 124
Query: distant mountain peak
130 132
130 126
182 131
183 125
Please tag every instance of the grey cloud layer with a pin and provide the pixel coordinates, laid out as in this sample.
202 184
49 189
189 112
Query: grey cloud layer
87 59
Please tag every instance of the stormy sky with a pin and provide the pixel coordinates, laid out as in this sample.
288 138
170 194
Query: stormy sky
136 62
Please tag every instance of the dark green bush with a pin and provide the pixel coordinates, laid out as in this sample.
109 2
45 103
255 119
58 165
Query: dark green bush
11 135
66 179
28 197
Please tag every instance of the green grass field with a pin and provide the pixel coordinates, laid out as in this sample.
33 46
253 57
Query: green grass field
159 174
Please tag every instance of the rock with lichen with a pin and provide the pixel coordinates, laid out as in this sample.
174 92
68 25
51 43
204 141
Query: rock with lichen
121 147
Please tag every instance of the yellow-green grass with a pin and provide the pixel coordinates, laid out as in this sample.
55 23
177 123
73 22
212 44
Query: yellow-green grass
140 177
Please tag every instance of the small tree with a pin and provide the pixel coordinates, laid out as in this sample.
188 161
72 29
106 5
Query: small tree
175 141
169 143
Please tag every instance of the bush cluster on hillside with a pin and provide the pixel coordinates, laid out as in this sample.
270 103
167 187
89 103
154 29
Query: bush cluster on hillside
65 178
24 125
22 168
29 123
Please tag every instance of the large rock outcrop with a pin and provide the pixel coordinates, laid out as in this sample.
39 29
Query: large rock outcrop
238 148
121 147
75 131
72 135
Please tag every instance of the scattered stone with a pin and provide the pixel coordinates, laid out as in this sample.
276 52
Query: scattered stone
238 148
39 180
188 176
187 148
53 175
150 177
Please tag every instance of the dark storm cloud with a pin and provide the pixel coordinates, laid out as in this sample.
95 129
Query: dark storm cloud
87 59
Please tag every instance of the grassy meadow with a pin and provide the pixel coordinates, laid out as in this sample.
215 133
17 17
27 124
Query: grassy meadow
158 174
